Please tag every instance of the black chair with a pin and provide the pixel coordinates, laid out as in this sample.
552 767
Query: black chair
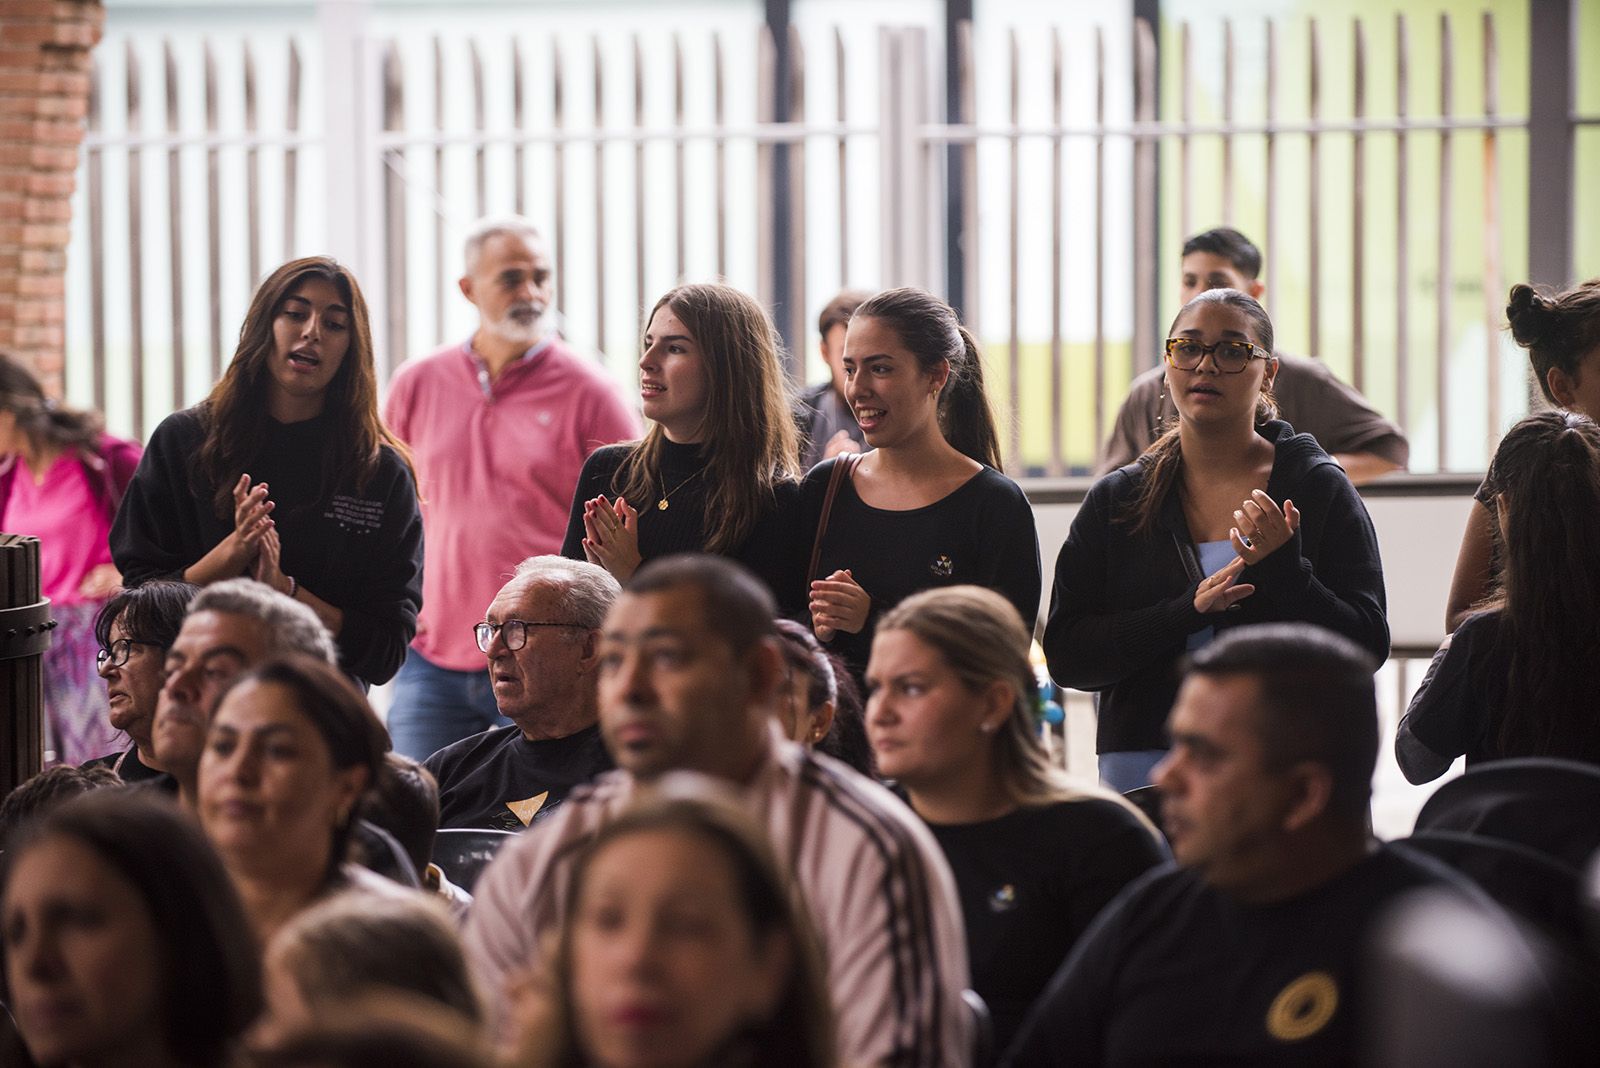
463 852
1540 890
1549 805
377 850
1147 799
983 1051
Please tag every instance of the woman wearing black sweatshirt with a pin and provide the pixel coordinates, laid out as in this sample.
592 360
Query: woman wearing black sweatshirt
1192 538
286 473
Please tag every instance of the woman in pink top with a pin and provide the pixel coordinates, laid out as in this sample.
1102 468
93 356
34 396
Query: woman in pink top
61 480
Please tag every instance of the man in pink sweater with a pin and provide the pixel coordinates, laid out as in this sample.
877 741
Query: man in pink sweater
499 427
689 668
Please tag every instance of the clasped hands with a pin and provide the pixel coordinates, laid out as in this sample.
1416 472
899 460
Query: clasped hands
255 535
838 603
1260 529
611 536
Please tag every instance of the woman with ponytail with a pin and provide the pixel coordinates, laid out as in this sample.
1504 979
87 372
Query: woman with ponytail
1229 518
1562 335
1517 679
61 480
927 505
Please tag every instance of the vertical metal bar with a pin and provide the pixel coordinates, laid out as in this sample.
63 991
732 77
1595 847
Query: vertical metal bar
794 352
135 126
1402 252
1146 191
1314 193
1358 213
439 194
778 80
252 170
519 115
766 112
213 220
638 178
558 163
1099 272
957 237
1493 294
394 196
1057 248
841 114
1446 191
1552 181
480 152
1227 122
1186 115
97 238
1271 245
1014 321
174 224
720 117
599 197
291 154
680 171
971 308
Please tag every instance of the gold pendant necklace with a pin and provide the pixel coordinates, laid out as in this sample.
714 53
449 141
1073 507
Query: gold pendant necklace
661 505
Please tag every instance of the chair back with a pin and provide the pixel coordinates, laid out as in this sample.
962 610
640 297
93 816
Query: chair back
1538 889
1147 799
463 852
1549 805
983 1051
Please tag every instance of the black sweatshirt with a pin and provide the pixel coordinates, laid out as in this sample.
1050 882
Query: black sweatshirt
1122 608
361 551
981 534
768 551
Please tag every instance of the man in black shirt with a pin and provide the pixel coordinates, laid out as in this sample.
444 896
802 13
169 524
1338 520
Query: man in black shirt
540 635
1250 951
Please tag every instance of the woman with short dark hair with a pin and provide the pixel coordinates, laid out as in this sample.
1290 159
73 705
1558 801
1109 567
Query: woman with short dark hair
286 473
123 941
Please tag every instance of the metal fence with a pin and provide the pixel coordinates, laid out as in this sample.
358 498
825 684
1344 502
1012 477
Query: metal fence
1051 201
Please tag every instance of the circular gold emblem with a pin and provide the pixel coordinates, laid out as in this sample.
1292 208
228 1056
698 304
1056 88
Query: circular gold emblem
1303 1008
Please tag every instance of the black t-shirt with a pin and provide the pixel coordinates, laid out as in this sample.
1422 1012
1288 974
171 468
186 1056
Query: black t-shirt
769 550
981 534
1176 972
132 769
501 781
1031 882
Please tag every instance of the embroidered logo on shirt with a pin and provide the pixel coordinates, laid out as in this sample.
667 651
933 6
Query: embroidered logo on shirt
942 566
355 513
1303 1008
1003 899
526 810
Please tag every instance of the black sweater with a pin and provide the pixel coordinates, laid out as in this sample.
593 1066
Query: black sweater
981 534
361 551
1122 608
768 551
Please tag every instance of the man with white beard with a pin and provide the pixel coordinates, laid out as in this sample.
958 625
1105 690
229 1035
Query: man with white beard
499 427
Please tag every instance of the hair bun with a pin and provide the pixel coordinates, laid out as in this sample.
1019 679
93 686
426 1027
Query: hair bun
1529 315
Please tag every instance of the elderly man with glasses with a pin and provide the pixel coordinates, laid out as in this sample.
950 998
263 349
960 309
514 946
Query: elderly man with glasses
540 635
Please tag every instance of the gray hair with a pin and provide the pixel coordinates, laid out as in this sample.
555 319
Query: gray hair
291 626
495 226
584 591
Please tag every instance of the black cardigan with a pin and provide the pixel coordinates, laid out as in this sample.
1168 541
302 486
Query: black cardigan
1122 608
361 550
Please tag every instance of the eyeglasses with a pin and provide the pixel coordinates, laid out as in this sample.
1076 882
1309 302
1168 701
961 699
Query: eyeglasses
117 655
1231 357
513 631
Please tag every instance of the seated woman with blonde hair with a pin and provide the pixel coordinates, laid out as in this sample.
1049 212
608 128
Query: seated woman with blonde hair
954 718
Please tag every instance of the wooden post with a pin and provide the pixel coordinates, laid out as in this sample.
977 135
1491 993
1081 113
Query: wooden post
25 626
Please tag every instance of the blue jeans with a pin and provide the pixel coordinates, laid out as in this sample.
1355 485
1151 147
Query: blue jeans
1129 770
434 706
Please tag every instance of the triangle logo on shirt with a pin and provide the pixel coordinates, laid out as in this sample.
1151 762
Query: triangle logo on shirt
526 810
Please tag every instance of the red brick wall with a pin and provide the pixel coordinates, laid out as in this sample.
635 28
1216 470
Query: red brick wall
44 95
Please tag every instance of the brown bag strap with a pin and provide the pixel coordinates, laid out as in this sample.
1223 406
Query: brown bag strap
843 468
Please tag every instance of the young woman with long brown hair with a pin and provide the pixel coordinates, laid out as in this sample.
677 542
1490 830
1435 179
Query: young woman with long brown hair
1229 518
287 474
717 470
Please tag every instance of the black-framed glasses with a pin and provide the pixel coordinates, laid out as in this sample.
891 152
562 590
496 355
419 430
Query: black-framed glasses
513 631
117 655
1231 357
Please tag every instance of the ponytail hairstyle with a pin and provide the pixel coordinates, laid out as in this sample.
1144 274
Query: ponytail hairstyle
1557 330
1163 460
753 443
46 424
235 415
1547 471
928 327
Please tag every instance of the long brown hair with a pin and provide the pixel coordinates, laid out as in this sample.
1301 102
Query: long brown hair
1163 460
44 422
235 415
749 427
1548 468
928 327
